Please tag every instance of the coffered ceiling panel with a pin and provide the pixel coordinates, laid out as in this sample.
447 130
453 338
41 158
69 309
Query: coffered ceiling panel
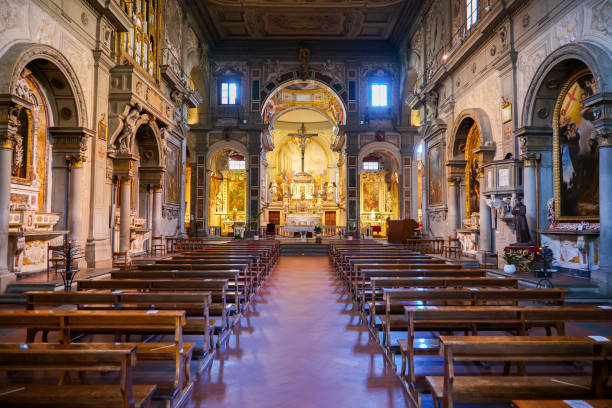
308 19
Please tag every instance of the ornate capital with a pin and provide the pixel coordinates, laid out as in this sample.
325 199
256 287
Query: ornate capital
530 159
605 139
454 181
72 142
9 124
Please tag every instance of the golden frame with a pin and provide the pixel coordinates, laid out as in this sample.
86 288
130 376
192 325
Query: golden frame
506 112
28 175
556 147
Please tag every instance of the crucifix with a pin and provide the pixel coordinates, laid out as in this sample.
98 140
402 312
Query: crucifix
303 136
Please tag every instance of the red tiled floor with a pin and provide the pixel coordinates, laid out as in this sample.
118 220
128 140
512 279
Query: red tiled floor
300 346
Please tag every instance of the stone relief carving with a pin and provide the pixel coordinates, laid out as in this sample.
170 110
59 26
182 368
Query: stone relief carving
417 41
170 212
333 70
9 14
437 214
22 90
529 63
272 70
431 105
129 127
378 69
226 67
567 29
602 16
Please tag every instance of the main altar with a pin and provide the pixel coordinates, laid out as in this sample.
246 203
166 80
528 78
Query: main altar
301 198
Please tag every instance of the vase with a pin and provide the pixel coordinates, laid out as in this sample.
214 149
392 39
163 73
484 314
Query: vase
510 268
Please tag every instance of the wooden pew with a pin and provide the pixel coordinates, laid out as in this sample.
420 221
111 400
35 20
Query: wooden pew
195 305
237 284
119 323
451 388
63 358
560 403
217 288
476 319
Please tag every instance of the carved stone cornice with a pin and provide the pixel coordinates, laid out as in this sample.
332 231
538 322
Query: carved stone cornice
530 159
455 169
533 139
601 104
153 175
123 165
71 142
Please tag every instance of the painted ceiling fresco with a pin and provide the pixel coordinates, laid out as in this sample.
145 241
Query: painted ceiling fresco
320 19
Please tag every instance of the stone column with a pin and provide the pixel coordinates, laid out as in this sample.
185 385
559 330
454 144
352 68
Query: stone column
6 157
603 276
485 224
157 211
125 216
529 193
150 208
75 201
7 132
454 219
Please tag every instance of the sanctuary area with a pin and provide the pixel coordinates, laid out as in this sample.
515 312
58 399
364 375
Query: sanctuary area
215 178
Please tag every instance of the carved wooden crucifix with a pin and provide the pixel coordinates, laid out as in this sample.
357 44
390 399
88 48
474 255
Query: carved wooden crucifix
303 136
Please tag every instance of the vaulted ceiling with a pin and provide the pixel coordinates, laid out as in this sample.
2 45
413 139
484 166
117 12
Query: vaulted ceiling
227 20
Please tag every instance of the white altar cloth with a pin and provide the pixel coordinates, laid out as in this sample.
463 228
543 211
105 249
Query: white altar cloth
298 228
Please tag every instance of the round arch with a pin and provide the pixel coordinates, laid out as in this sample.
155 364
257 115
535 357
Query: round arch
223 145
293 108
278 86
18 56
476 115
594 57
382 147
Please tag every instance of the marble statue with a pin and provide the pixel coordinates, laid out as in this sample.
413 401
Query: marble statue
520 223
331 191
124 142
273 191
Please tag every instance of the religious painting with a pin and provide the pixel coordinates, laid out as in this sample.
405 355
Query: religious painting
576 158
506 111
172 175
472 187
21 147
236 195
435 175
370 194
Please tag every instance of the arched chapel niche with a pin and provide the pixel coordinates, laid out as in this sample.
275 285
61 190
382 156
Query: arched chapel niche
303 172
48 149
379 191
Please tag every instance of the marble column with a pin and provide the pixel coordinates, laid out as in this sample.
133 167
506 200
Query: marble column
150 208
604 275
485 224
6 157
454 219
125 216
529 193
75 201
157 211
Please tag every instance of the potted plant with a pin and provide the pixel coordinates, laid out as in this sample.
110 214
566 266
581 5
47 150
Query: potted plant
237 237
510 261
254 224
318 230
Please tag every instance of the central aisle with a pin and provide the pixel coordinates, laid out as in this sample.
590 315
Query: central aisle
300 345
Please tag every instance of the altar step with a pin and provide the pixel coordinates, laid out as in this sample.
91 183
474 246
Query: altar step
303 249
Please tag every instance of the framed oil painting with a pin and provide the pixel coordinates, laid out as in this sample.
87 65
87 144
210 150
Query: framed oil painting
575 155
435 174
237 195
371 196
172 174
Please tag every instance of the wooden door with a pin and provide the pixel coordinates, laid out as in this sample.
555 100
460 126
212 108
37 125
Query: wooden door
330 218
274 217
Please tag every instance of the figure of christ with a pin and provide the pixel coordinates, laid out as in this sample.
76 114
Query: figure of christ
303 137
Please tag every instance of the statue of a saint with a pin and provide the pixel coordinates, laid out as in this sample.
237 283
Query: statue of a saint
273 191
520 223
331 191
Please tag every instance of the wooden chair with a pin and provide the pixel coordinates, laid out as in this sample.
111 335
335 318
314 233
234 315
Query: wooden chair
452 249
121 260
270 231
55 259
157 244
490 265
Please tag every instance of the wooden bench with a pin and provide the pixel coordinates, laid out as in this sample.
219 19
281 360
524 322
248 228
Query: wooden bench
476 319
119 323
560 403
64 358
219 307
451 388
195 305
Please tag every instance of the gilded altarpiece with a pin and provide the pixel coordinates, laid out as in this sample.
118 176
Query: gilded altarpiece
30 222
379 199
228 200
472 182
